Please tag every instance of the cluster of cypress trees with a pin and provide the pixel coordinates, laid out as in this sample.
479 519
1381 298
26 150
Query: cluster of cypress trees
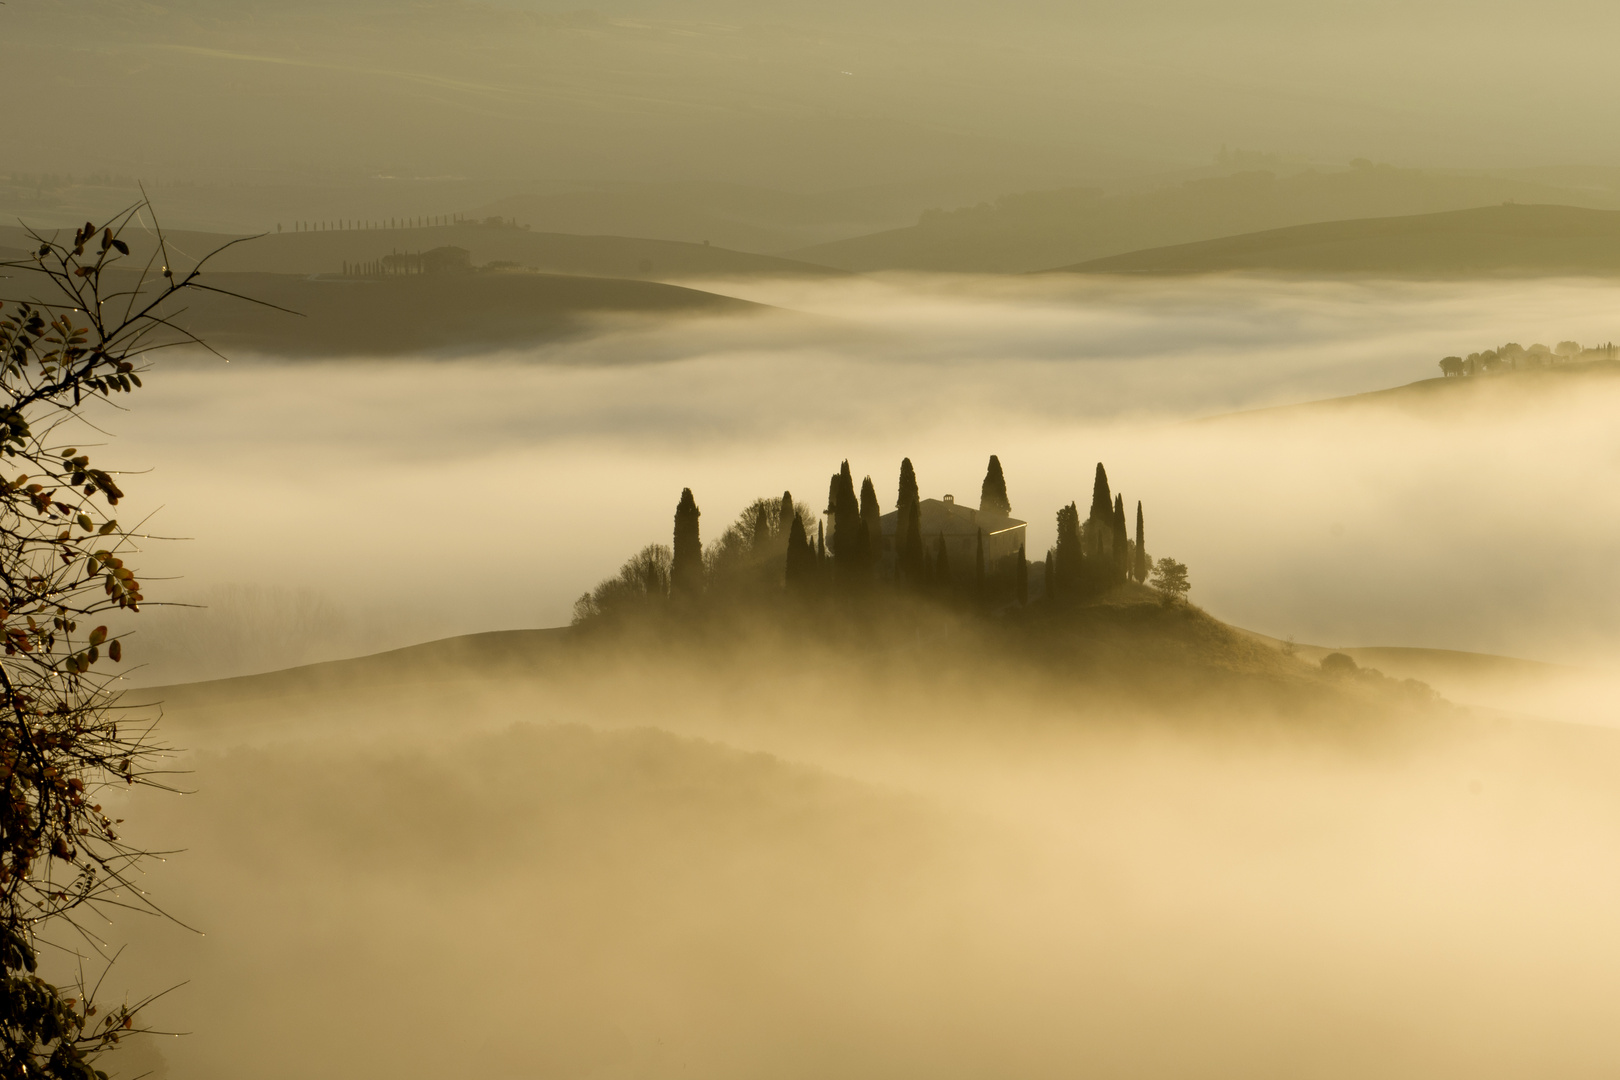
770 547
1094 556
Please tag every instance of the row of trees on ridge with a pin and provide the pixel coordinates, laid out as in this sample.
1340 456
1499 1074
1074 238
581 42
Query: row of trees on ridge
855 548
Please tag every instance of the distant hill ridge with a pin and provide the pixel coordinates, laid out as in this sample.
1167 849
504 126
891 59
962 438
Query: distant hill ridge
1487 240
326 251
1038 230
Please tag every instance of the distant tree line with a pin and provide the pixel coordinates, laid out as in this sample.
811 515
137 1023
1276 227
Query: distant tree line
427 222
931 548
1516 357
439 260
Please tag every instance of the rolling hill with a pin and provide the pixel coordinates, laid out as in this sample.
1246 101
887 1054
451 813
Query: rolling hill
326 252
425 314
1042 229
1509 239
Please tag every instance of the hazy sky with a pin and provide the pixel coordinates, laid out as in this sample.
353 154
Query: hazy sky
797 95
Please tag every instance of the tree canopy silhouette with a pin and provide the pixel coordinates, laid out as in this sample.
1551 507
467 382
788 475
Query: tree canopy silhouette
686 568
993 493
65 866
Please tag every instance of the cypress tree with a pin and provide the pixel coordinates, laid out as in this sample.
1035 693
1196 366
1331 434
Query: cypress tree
686 569
1048 579
1121 563
821 543
908 541
908 485
872 518
1067 564
800 571
785 516
1102 503
1139 571
913 554
850 548
1021 578
993 493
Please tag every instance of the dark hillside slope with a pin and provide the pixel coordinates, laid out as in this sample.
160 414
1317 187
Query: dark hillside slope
438 313
326 252
1485 241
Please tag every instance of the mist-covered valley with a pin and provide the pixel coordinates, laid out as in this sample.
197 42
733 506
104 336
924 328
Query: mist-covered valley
450 665
1377 527
800 841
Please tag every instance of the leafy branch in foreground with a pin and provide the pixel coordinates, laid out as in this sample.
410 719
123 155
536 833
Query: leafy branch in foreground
87 318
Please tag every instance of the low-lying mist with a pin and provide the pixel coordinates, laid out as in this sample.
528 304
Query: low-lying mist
421 499
825 860
974 847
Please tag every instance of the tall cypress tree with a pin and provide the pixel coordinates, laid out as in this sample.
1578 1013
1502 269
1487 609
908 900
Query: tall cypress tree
908 541
1048 578
1067 561
686 569
1102 503
821 543
993 493
1139 570
1122 560
801 559
850 548
1021 578
872 518
784 518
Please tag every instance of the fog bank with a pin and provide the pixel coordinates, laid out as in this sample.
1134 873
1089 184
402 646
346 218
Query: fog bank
418 499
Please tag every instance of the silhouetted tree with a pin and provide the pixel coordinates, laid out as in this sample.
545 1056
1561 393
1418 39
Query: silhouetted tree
993 493
908 541
1102 503
800 571
1121 564
850 548
1021 578
1140 569
784 517
686 571
79 333
1067 562
1170 578
872 518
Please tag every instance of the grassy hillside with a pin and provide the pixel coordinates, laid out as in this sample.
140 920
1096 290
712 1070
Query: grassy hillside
439 313
1437 396
1043 229
325 252
1487 240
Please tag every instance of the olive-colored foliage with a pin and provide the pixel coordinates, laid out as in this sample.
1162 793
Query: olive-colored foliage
750 553
745 555
641 583
1170 578
81 329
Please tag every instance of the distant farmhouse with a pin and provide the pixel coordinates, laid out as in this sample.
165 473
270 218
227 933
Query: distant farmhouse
960 527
